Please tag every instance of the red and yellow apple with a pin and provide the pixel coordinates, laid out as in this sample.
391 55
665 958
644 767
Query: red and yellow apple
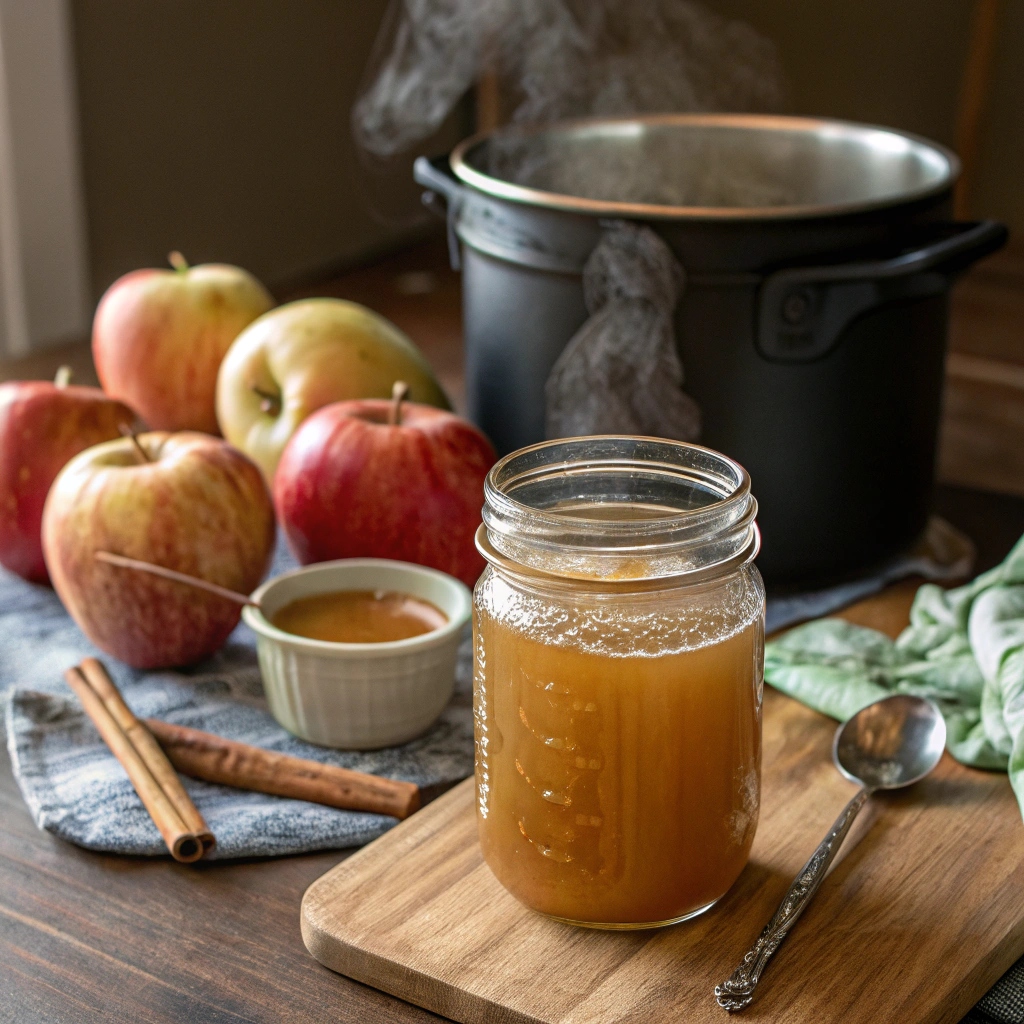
159 336
191 503
370 478
42 426
307 354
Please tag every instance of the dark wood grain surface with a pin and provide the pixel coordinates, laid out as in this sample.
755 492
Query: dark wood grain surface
91 938
86 937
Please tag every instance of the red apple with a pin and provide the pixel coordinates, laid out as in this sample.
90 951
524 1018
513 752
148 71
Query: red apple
42 425
191 503
350 484
159 336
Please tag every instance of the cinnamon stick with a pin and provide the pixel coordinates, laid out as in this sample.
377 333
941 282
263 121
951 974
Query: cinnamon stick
215 759
182 843
149 750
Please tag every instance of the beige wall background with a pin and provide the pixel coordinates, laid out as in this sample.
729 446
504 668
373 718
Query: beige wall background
220 127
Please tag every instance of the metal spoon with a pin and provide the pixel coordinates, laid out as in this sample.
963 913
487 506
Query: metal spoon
887 745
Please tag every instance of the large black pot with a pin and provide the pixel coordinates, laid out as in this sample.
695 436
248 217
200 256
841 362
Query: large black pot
812 329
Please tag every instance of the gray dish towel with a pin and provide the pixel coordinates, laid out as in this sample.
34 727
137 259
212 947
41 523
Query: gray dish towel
76 789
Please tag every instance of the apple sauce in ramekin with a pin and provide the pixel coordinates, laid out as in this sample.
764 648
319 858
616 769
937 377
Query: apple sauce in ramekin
359 696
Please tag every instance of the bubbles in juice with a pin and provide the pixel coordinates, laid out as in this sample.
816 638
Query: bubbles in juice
618 751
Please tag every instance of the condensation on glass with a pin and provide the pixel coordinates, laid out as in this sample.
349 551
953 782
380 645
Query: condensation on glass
618 642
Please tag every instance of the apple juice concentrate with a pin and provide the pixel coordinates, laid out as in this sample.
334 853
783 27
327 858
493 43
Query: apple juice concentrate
620 787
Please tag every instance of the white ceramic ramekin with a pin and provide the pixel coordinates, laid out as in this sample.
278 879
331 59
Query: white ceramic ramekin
358 696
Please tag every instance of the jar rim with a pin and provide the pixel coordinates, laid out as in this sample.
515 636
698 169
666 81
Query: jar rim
694 577
618 506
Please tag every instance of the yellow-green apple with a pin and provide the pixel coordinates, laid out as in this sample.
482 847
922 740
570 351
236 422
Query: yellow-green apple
159 336
42 425
187 501
305 355
387 480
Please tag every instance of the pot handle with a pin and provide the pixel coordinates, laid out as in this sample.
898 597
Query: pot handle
803 311
444 197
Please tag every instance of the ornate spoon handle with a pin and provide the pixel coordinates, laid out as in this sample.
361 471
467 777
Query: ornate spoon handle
737 992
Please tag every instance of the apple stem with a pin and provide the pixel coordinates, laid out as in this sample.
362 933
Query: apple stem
177 261
171 574
63 377
269 402
127 431
399 392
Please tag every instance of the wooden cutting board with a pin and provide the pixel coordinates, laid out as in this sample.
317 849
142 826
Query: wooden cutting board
922 912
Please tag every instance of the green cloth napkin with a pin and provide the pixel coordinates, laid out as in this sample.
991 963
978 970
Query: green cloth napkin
964 649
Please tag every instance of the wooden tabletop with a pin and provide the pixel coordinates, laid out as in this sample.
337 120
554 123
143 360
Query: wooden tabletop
86 937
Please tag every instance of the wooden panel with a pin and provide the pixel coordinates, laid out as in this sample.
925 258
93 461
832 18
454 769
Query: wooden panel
982 435
922 912
987 308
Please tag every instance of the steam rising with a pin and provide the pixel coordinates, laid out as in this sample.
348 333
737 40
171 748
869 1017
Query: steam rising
559 59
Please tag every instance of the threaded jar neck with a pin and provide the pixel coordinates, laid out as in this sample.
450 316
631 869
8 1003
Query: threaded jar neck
617 510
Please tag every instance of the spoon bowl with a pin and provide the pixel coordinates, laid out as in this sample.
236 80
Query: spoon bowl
891 743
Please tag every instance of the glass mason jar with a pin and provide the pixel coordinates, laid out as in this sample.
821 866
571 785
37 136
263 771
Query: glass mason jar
618 635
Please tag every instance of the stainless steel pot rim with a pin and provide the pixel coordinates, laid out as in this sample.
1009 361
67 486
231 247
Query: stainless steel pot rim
502 189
